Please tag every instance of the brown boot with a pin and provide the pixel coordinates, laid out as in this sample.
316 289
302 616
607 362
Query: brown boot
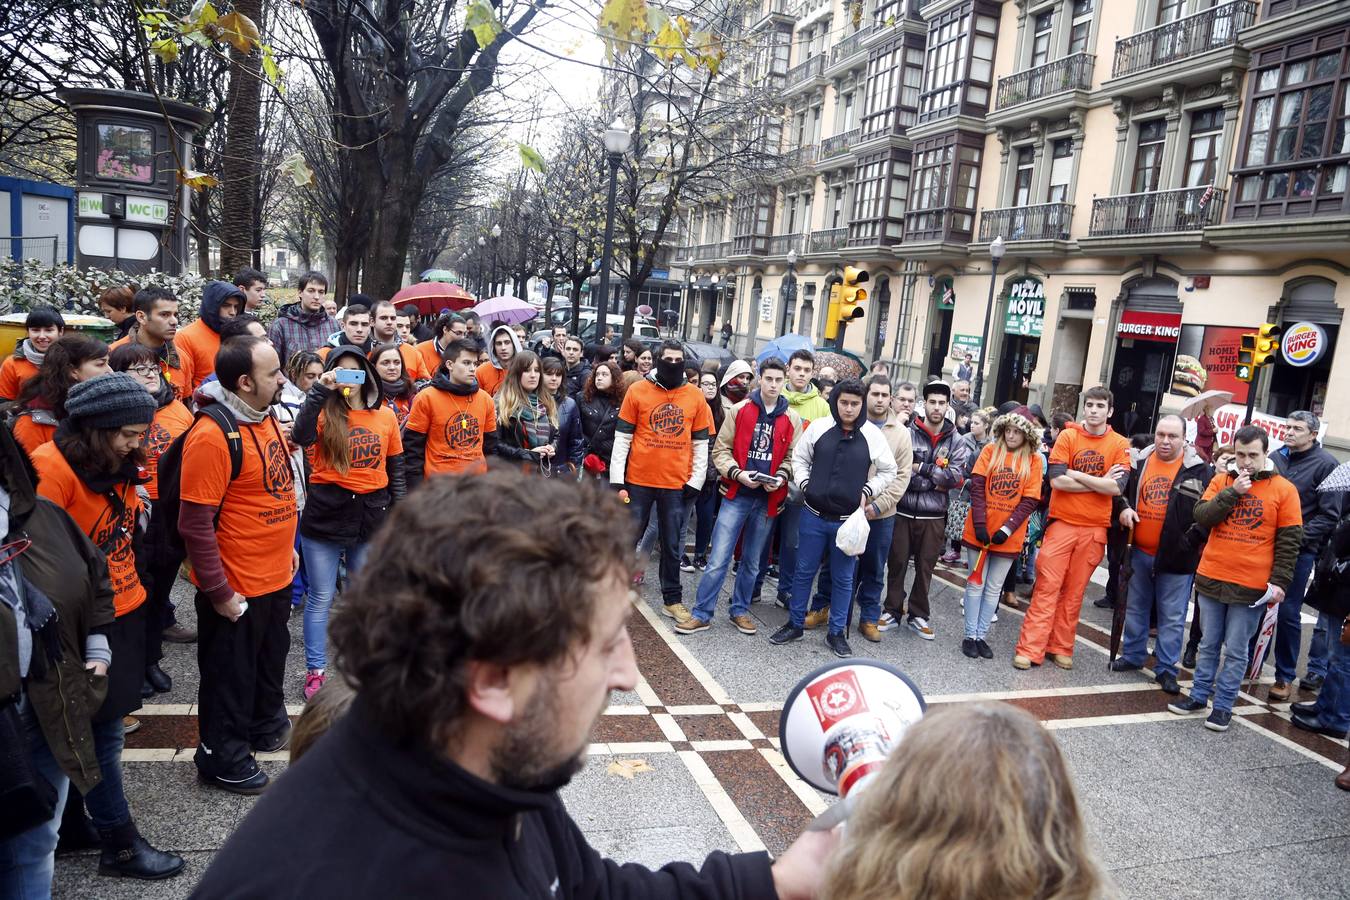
1010 599
1343 779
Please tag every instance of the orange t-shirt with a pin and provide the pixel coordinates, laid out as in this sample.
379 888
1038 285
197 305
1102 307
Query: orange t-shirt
1092 455
429 354
30 434
14 371
1241 548
108 527
489 377
413 365
1004 488
664 425
178 377
1155 487
256 532
372 436
454 426
171 420
197 347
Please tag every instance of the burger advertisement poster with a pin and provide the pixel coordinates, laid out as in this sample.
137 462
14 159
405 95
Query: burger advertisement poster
1206 359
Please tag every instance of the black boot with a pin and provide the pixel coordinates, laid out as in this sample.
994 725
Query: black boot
158 679
128 855
77 832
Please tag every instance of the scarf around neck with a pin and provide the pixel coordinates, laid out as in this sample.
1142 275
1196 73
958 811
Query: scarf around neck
214 390
30 354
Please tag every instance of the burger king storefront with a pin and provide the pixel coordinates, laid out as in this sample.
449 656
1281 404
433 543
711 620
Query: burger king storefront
1310 322
1147 331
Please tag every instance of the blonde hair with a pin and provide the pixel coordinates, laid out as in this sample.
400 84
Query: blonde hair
512 398
1018 460
975 802
328 705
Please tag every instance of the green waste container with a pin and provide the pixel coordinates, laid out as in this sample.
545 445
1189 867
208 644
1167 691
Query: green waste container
12 330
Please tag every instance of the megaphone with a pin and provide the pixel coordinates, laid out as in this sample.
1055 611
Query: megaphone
841 722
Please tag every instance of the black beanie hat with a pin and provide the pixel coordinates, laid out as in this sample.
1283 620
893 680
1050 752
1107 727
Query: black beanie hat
109 401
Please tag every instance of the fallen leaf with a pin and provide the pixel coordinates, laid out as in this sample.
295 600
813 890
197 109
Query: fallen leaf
627 768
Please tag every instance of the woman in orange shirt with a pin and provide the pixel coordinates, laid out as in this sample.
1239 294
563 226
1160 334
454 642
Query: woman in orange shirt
355 476
172 418
42 398
397 386
1005 487
92 469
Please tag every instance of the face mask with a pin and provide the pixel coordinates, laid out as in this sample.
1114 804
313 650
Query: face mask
737 391
670 373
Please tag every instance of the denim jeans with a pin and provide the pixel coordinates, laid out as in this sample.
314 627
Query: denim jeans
107 803
789 522
1228 627
1172 594
299 583
982 600
669 505
815 540
321 568
706 506
870 577
1289 630
1333 702
748 510
27 859
1319 651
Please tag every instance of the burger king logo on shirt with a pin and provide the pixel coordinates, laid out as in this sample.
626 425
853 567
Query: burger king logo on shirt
1303 344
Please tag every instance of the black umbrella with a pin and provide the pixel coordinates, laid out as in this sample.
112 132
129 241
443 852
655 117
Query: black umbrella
1118 602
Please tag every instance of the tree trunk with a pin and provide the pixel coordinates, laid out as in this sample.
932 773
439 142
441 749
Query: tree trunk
239 173
576 307
201 218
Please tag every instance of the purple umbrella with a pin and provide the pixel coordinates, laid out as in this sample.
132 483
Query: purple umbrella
510 310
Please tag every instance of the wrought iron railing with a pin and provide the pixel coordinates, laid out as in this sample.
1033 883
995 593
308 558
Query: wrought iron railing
780 244
1044 222
800 157
1067 74
805 71
1156 212
849 45
1190 36
827 240
839 144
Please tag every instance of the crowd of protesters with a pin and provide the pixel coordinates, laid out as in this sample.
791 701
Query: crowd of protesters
263 461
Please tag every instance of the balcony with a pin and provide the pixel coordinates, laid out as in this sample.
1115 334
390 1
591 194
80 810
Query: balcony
773 11
1154 219
1045 223
805 72
779 245
827 241
1072 73
747 245
801 157
850 47
838 145
1186 38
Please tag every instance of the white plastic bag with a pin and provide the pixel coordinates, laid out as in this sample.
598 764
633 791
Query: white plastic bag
852 535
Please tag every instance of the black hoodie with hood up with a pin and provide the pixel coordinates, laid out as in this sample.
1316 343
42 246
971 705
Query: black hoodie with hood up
332 512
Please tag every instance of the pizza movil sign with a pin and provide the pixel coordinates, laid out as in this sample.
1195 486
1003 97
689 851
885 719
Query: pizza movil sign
1303 344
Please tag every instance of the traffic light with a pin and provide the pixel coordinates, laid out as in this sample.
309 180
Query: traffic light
1267 345
1245 370
846 300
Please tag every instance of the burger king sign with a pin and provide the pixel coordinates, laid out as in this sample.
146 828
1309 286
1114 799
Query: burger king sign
1303 344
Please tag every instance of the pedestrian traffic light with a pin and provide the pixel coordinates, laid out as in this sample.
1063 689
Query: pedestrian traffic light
1267 344
846 300
1245 370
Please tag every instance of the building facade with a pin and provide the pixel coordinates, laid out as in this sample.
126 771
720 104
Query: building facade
1164 175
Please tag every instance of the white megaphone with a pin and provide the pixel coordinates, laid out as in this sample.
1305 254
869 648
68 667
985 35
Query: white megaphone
841 722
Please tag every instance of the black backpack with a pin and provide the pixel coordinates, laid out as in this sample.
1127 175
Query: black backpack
171 470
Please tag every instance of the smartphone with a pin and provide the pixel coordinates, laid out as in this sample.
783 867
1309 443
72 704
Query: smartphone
763 479
350 376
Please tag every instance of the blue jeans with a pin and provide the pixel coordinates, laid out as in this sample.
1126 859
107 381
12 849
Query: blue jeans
982 601
706 506
748 510
107 803
871 572
1289 630
28 858
1228 627
1319 651
321 567
1172 593
815 540
299 584
1333 702
669 505
789 522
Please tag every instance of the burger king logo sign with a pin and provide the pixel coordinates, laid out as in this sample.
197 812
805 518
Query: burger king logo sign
1303 344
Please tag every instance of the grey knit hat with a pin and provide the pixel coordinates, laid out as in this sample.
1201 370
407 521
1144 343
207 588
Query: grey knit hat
110 401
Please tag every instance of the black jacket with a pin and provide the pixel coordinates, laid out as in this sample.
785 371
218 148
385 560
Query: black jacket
943 461
599 416
1321 509
575 379
360 816
1182 540
511 441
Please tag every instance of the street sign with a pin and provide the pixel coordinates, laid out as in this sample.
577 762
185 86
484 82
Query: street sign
1026 307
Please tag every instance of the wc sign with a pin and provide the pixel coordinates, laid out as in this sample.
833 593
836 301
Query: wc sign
1026 307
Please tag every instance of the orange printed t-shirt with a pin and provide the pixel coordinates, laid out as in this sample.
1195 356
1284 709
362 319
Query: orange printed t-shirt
372 436
429 354
14 371
109 527
1092 455
256 532
1004 488
664 425
171 420
413 365
1241 548
1155 487
489 377
30 434
197 347
454 426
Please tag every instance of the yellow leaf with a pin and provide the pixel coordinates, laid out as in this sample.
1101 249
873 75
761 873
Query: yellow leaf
201 15
627 768
239 31
197 181
482 21
530 158
165 48
669 43
620 23
270 69
297 170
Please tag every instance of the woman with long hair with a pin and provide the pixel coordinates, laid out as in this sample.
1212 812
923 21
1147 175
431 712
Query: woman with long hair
172 418
92 469
302 370
1005 486
708 500
42 398
976 801
398 386
356 474
629 351
599 404
527 415
570 441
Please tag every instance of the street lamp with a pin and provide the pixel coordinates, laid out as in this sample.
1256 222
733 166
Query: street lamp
996 250
687 312
617 139
482 243
790 287
496 233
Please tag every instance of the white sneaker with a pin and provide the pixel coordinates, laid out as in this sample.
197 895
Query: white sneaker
921 627
886 622
993 619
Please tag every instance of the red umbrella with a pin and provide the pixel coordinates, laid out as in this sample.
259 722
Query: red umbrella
430 297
